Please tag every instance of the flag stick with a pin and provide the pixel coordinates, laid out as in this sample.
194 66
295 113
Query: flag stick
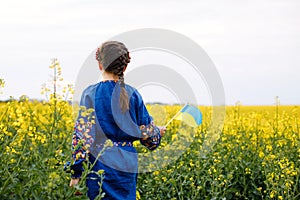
175 116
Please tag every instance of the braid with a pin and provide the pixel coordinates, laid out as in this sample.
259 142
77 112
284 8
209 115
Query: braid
114 56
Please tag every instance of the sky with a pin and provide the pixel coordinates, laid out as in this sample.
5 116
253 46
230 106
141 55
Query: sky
253 44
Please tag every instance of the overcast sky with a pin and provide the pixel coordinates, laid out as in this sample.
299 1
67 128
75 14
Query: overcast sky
254 44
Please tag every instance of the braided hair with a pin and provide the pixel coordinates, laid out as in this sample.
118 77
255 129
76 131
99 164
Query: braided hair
114 57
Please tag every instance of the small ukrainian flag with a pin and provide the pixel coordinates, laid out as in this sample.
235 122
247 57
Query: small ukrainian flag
189 114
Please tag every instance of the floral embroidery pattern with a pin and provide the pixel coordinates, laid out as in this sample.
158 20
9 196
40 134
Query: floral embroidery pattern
150 136
129 144
81 140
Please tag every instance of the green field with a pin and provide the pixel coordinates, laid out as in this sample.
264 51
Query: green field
255 156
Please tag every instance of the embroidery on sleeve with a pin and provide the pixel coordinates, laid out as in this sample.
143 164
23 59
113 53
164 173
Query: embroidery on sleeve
150 136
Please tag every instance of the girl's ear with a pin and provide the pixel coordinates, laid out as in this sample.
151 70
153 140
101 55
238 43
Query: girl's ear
100 66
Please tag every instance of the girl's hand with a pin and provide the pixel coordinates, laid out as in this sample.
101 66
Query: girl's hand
74 181
162 130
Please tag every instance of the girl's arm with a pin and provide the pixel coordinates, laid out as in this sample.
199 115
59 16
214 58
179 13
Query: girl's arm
150 134
83 134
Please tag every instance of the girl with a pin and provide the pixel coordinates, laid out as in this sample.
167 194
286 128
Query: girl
120 116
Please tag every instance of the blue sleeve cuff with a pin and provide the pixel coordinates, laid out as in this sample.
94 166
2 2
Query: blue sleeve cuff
76 169
150 136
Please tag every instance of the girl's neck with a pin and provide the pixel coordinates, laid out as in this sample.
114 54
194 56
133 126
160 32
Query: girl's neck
106 76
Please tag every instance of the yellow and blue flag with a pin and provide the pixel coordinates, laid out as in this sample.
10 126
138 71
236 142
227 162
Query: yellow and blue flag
191 115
